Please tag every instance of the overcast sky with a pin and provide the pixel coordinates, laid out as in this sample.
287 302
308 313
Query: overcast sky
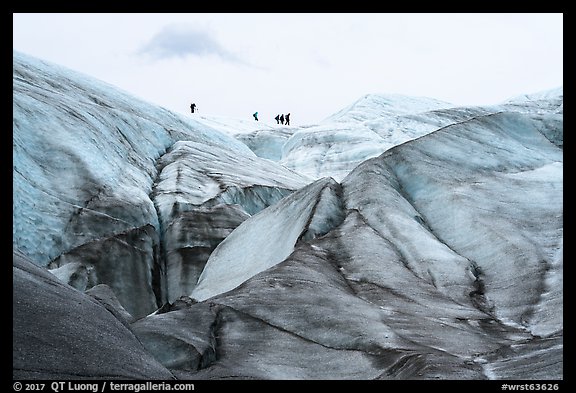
308 64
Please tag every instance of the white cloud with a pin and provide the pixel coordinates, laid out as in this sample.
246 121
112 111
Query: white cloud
183 41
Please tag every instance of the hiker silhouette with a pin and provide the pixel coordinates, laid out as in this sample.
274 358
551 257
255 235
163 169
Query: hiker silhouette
277 118
255 116
287 118
282 118
192 107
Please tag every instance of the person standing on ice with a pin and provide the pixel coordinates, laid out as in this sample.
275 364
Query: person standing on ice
282 118
192 107
277 118
255 116
287 119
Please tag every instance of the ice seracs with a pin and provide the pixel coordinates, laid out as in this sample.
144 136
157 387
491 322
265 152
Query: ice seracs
269 237
201 195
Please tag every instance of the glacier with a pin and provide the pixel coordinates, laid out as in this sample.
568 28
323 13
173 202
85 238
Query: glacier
85 166
402 238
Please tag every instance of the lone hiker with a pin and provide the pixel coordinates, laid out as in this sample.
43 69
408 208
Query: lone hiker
192 107
287 119
255 116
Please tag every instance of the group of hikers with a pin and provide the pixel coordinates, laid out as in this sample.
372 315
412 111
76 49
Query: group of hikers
280 119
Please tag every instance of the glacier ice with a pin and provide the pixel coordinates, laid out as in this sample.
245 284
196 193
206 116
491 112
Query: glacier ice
201 196
269 237
400 238
88 161
60 333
